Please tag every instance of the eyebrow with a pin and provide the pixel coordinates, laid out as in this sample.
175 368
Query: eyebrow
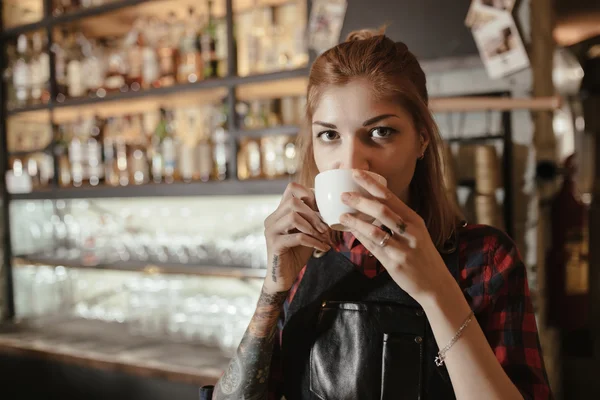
368 122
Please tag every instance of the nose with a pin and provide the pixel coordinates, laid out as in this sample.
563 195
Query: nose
354 155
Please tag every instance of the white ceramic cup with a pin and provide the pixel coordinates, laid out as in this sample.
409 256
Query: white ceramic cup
329 186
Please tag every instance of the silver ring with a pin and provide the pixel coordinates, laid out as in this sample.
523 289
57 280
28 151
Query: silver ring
385 239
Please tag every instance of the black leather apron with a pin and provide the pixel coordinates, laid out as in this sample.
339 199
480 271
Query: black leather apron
347 336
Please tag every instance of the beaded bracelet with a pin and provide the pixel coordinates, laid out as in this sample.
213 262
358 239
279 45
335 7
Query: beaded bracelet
439 360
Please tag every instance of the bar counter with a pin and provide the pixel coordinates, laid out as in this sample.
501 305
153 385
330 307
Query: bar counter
109 347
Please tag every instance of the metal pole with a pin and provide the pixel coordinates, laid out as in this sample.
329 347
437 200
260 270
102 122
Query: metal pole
507 167
6 280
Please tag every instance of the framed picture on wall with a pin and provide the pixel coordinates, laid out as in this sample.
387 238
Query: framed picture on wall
325 24
500 46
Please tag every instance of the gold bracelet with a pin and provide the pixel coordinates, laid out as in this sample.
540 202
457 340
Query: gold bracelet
439 360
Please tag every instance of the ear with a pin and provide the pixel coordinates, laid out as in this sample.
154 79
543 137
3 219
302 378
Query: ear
424 139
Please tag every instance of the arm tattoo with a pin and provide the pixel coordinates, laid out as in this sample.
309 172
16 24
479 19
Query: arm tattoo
248 372
275 266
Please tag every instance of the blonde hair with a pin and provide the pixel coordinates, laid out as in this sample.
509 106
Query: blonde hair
395 74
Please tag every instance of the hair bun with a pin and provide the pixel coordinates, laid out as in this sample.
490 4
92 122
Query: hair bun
363 34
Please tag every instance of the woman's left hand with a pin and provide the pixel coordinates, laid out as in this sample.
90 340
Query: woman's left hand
409 255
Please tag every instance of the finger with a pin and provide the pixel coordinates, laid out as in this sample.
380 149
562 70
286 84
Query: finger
376 189
368 231
382 212
298 191
296 205
309 214
285 242
294 221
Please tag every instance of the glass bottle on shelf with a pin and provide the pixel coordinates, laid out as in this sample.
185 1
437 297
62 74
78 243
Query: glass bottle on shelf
61 7
150 62
254 40
209 46
116 68
221 146
94 69
270 42
221 47
122 142
60 59
40 71
21 73
138 161
95 139
187 120
76 155
190 67
76 82
169 147
134 48
61 151
7 76
157 159
111 170
167 53
205 146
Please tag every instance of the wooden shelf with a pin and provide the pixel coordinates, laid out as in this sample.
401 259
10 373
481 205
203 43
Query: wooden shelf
225 188
205 269
274 131
73 16
101 20
287 82
474 139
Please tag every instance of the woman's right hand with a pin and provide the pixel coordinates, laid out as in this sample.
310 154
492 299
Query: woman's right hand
293 231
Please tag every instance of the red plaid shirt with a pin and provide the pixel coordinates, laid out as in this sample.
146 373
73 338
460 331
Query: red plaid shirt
494 281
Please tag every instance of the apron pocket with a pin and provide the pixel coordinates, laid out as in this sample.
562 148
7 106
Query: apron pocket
343 363
402 366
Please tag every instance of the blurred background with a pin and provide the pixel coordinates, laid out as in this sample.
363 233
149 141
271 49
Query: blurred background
144 142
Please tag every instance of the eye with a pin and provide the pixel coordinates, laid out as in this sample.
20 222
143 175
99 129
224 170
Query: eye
328 136
382 132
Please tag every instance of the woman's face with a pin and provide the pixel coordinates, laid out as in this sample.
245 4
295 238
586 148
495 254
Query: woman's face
351 129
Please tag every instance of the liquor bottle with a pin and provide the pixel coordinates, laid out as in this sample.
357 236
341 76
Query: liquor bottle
134 47
94 69
76 82
76 155
167 53
150 63
21 73
190 68
205 146
169 149
188 123
209 46
111 170
155 150
117 68
61 149
138 162
7 77
60 57
95 139
220 138
40 71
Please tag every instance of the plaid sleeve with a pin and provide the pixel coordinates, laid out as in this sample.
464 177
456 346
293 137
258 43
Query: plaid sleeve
510 326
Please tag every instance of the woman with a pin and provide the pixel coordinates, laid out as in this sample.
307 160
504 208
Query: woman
388 312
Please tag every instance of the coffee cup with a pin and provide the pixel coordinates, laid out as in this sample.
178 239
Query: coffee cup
329 186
